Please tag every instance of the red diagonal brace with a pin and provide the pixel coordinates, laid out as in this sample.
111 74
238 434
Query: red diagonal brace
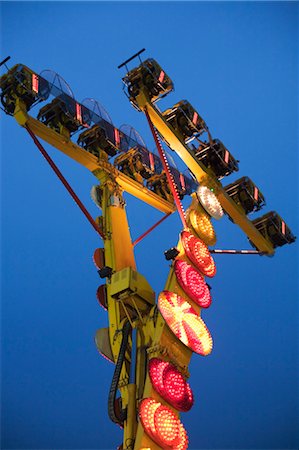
64 182
169 176
150 229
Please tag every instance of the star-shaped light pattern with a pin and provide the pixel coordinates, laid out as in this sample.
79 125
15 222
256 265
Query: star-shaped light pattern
168 381
192 283
162 425
202 226
183 321
210 202
198 253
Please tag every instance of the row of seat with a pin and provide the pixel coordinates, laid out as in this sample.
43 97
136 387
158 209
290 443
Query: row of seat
97 136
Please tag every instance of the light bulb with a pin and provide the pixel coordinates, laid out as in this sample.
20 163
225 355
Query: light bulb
210 202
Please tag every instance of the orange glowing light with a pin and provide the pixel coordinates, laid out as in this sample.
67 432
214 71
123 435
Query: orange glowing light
162 425
193 284
168 381
183 445
202 226
183 321
147 409
198 253
167 426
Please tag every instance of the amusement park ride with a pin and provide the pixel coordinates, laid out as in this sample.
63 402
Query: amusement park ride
150 343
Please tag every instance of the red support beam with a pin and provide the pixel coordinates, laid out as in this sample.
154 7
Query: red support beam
150 229
169 176
64 182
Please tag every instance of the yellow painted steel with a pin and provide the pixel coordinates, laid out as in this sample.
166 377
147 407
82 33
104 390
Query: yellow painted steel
202 174
119 255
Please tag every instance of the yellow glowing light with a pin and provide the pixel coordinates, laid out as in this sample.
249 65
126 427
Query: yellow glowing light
202 226
162 425
184 322
210 202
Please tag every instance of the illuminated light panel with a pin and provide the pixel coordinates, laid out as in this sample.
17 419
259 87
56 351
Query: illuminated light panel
78 112
183 445
283 227
116 137
174 385
198 253
183 321
167 426
35 83
147 409
156 369
195 117
161 76
162 425
192 283
188 402
210 202
168 381
202 226
177 391
226 156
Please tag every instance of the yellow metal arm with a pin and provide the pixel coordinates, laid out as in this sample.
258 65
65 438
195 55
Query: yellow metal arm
202 174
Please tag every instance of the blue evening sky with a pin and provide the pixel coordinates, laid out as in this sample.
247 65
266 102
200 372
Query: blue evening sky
237 63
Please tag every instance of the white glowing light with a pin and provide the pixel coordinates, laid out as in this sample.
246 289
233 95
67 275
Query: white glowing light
210 202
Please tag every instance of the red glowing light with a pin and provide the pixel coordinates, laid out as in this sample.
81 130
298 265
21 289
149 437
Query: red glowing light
174 385
182 181
168 381
162 425
35 83
152 161
193 284
78 112
198 253
117 137
256 193
156 369
183 321
161 76
195 117
283 227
